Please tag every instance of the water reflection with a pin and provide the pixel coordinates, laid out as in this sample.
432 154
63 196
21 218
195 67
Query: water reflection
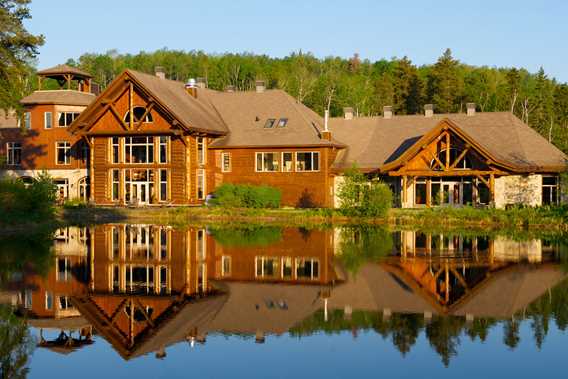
144 288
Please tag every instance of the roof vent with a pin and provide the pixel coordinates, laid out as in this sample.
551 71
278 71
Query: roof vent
348 113
260 86
429 110
230 88
160 72
191 87
470 109
387 111
201 83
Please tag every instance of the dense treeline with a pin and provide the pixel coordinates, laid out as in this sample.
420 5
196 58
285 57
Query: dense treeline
366 86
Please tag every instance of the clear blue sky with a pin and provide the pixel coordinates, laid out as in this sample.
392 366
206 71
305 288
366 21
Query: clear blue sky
518 33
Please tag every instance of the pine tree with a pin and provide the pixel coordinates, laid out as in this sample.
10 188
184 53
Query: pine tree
407 88
444 84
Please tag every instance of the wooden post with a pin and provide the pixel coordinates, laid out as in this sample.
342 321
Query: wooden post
428 192
447 165
404 179
130 106
492 188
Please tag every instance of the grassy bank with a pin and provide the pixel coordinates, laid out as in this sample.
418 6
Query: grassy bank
545 219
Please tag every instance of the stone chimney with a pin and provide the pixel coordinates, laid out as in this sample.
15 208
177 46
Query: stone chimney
429 110
230 88
201 83
470 109
160 72
191 87
348 113
260 86
387 111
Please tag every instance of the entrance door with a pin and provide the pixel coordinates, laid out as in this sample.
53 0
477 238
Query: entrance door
451 193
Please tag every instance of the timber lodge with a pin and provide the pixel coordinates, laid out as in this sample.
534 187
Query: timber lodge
149 141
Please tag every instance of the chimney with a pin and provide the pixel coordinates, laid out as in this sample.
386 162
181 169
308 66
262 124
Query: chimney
191 87
201 83
230 88
387 111
326 134
160 72
348 113
429 110
470 109
260 86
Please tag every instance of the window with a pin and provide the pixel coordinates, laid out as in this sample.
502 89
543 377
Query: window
138 114
139 149
66 118
269 124
47 120
115 179
226 162
282 122
83 148
163 185
65 303
267 267
115 249
201 184
307 161
550 190
267 162
200 241
287 163
163 244
84 188
115 149
63 153
48 301
420 191
63 273
28 120
225 265
13 153
200 150
163 151
464 163
307 268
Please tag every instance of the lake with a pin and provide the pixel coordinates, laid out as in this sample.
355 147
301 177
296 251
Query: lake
160 301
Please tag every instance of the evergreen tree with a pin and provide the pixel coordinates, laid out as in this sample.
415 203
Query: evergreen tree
444 84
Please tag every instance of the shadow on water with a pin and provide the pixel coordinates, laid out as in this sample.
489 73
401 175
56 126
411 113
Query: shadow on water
144 288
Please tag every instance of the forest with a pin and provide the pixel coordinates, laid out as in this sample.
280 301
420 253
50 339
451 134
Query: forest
334 83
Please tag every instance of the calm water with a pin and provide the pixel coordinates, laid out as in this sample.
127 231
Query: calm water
155 301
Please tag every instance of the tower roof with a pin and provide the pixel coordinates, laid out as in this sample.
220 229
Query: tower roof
64 69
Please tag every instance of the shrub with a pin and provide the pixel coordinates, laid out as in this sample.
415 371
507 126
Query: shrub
20 202
246 196
361 197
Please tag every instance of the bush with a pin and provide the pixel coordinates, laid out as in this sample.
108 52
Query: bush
361 197
246 196
20 202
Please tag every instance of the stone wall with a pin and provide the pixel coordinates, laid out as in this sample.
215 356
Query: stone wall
518 189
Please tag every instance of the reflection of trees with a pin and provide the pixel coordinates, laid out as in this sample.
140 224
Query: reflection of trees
511 336
444 336
363 243
16 345
403 329
247 236
25 250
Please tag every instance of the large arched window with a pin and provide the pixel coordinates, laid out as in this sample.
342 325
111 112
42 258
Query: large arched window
464 163
138 114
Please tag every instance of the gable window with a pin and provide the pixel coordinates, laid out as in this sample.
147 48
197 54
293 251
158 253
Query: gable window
307 161
200 150
464 162
139 114
287 163
139 149
267 162
550 190
13 153
282 122
64 119
269 124
28 120
163 152
115 148
226 162
63 153
47 120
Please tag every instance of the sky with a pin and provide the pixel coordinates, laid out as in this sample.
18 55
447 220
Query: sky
502 33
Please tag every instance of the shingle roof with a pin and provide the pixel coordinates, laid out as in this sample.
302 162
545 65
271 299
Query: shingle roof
197 113
245 114
62 69
60 97
374 141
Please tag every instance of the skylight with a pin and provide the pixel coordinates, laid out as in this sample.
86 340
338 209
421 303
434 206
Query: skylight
270 123
282 122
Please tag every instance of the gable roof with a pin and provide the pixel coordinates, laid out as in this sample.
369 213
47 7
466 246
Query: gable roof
59 97
245 114
375 141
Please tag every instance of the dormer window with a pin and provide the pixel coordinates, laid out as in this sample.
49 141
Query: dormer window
270 123
282 122
139 113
